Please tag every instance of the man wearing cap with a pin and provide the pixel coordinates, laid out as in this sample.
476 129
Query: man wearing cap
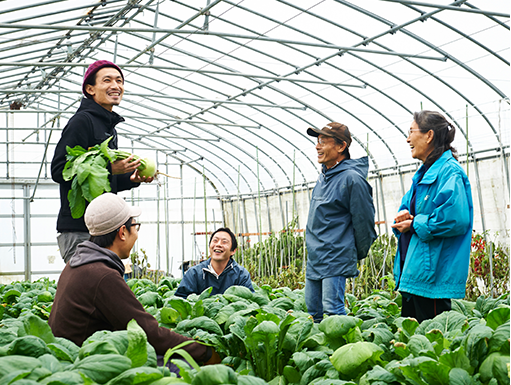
103 87
340 226
92 294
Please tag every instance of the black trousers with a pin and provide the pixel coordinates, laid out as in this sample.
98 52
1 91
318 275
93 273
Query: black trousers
422 308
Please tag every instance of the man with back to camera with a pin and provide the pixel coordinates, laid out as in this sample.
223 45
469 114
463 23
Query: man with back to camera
92 294
340 227
93 122
220 271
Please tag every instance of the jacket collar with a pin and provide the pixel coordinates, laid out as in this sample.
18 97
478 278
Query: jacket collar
110 117
432 172
89 252
209 268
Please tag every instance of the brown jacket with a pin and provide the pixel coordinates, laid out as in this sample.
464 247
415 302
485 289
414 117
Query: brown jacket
93 296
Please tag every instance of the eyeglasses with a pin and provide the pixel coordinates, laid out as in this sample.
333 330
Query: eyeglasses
322 141
137 225
412 130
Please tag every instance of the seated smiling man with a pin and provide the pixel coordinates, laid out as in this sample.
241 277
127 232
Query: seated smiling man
92 294
220 271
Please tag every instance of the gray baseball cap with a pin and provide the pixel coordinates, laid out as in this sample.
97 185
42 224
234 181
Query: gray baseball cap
107 213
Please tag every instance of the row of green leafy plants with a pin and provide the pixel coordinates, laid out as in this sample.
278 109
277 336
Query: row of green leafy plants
265 337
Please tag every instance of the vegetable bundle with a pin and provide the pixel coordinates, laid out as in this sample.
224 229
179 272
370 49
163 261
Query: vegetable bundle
90 173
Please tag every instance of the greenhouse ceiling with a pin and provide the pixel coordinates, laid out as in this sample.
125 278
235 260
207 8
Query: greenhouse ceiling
228 88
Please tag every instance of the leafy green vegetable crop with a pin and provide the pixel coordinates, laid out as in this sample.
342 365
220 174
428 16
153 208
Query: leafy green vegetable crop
266 337
88 170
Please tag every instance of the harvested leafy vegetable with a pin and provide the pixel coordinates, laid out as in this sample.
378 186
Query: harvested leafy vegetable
90 173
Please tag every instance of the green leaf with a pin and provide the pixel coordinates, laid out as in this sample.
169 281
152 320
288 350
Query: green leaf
102 368
419 345
338 325
182 306
500 339
435 373
107 152
456 359
98 181
51 363
169 315
11 296
458 376
291 374
28 346
497 317
475 344
352 359
76 200
215 375
496 365
63 378
11 364
82 172
98 347
137 376
378 374
137 347
251 380
35 326
75 151
438 341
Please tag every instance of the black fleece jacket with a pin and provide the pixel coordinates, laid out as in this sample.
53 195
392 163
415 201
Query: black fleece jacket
91 125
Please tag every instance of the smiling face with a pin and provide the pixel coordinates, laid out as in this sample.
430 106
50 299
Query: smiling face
420 143
329 152
220 247
108 89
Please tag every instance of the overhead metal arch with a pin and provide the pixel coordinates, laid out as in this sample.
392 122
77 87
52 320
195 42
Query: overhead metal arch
283 63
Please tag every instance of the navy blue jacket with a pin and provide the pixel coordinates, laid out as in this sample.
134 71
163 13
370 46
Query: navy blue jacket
340 228
199 278
91 125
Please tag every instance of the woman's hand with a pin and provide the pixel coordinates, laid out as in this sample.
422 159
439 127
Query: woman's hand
403 215
402 226
125 165
403 221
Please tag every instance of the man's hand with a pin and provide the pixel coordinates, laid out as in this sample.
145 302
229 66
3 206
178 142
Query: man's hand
215 359
124 166
137 178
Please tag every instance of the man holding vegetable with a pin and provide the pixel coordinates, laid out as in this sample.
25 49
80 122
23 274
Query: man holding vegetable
103 87
92 294
340 227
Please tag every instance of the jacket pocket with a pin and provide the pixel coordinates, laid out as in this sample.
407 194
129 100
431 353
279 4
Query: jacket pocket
418 265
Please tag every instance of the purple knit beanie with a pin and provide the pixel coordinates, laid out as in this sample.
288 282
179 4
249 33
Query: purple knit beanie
95 67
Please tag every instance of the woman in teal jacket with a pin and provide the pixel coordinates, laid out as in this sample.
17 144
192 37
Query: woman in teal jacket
434 222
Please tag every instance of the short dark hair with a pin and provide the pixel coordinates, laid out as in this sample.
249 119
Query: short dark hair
107 240
234 242
443 133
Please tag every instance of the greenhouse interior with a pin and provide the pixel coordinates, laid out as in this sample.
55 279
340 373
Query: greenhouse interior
223 95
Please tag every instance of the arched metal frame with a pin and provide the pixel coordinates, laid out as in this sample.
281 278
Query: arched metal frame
228 88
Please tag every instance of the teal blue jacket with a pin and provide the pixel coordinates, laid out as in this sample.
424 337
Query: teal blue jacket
438 256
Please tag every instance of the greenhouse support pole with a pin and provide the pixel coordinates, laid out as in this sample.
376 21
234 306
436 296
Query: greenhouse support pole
282 210
182 222
401 181
269 215
383 204
490 254
167 235
238 210
479 194
466 134
27 233
205 208
158 235
194 231
377 205
259 237
245 217
258 218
